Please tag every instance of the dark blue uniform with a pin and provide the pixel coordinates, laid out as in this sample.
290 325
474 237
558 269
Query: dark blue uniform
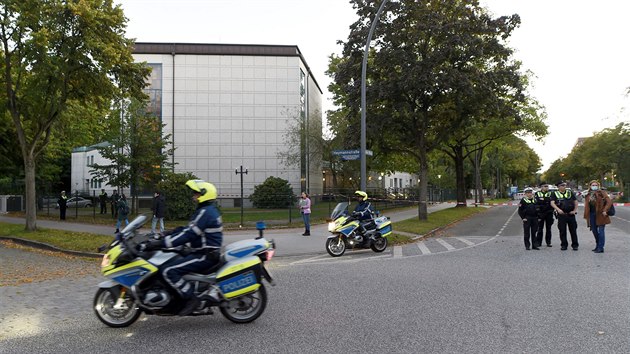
545 217
364 213
528 212
204 235
566 202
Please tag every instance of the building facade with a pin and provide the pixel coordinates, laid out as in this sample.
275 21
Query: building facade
227 106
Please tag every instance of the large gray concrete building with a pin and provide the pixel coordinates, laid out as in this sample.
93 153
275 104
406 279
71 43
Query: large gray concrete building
230 105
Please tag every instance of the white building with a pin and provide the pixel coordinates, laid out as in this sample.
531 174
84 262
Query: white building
228 106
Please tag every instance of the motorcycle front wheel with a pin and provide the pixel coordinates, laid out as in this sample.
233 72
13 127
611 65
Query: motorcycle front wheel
379 244
246 308
336 246
115 316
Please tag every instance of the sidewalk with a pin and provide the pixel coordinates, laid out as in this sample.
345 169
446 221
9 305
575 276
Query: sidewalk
289 242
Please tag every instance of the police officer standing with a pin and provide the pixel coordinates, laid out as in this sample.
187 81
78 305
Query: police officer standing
565 205
528 211
545 214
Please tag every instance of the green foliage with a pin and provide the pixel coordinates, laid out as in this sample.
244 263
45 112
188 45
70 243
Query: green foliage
604 155
436 69
56 54
178 199
137 151
274 192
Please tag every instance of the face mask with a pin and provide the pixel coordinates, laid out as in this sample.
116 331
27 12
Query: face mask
594 188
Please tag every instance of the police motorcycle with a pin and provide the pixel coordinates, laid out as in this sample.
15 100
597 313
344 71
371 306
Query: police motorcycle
234 285
344 228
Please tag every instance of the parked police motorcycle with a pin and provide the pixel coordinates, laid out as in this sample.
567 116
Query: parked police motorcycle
234 285
344 228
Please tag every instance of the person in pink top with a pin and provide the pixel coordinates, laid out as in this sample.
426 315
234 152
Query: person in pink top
305 210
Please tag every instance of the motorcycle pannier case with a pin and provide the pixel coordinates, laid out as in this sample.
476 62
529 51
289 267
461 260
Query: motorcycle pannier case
240 277
383 225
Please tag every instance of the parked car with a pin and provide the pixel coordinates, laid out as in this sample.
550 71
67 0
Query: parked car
77 202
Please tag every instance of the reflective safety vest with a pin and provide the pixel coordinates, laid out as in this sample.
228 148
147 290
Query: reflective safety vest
540 194
529 201
565 195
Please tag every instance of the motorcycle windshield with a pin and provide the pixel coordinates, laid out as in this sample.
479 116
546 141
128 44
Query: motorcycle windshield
339 210
135 224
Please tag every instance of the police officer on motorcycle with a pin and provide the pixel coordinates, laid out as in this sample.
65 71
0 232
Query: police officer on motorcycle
363 212
203 235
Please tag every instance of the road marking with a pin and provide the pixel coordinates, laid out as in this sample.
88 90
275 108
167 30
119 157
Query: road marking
423 248
398 252
445 244
469 243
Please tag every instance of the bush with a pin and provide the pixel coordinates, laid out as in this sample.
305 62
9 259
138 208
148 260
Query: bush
273 193
179 205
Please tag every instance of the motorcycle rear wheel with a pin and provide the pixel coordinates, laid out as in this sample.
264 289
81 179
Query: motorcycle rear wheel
335 247
379 244
246 308
104 302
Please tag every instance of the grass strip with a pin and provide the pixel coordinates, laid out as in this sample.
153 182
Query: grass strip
436 220
68 240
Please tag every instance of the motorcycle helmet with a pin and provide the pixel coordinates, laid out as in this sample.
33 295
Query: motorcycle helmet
207 190
361 195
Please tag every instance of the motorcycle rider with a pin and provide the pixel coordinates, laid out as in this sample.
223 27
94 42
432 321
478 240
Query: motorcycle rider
363 212
204 235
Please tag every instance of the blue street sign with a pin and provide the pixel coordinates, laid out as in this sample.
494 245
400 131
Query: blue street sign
351 154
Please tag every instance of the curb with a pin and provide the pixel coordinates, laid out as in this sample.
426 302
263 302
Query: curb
45 246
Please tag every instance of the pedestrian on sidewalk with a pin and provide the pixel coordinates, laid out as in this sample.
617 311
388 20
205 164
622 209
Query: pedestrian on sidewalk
63 204
528 211
545 214
305 210
123 212
103 200
596 206
566 205
114 203
158 209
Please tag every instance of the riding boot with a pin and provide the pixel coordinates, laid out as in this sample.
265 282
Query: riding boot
191 306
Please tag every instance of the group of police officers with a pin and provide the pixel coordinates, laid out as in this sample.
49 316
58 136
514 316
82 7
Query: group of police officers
537 211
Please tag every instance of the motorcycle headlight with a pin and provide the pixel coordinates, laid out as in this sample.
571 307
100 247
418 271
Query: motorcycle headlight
331 226
106 262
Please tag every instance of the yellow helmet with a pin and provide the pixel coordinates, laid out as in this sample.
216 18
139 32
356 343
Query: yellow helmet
207 190
361 194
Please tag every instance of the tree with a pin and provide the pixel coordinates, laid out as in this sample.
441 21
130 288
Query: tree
425 53
179 204
137 150
55 54
274 192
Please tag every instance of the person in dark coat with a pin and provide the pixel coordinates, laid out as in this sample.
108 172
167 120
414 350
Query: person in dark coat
114 203
63 204
158 210
528 211
123 212
103 200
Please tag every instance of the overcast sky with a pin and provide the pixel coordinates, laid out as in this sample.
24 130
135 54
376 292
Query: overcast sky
578 50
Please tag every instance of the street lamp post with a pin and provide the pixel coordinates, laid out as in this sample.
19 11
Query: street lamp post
241 172
363 78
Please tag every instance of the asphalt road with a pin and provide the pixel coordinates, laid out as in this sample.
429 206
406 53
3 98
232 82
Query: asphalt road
486 294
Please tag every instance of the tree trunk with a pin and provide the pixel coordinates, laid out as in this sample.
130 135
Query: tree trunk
423 213
31 205
460 180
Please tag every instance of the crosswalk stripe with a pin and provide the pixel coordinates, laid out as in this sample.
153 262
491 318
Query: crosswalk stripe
469 243
423 248
445 244
398 251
